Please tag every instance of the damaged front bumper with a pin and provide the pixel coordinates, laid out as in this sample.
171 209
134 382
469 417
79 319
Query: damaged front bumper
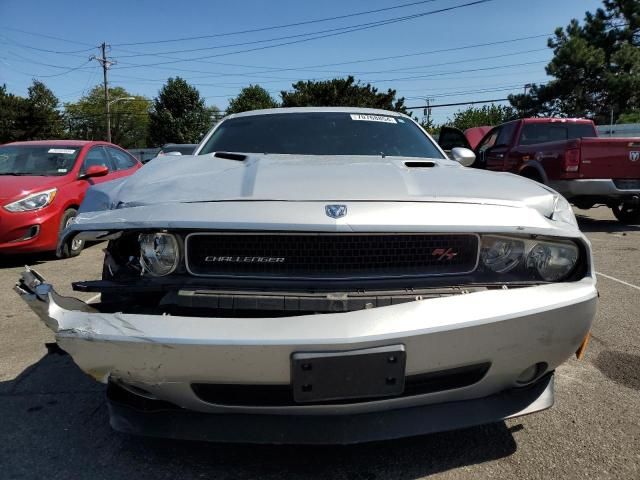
470 350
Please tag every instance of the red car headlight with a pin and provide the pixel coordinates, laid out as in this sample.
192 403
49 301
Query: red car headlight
34 201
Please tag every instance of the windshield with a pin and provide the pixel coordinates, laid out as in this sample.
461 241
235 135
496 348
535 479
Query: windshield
45 160
322 133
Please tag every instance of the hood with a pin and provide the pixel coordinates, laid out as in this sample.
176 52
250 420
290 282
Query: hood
14 187
205 178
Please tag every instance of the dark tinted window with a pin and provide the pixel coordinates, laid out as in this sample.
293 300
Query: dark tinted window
322 133
506 134
533 133
96 156
47 160
450 138
121 160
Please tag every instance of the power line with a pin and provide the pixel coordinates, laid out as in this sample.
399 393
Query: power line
502 88
276 27
415 77
286 37
356 61
466 60
458 71
35 62
474 102
409 68
333 33
47 36
36 75
74 53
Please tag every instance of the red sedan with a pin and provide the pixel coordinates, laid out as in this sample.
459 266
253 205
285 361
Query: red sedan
42 184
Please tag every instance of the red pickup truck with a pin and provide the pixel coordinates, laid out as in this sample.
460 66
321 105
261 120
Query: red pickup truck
565 154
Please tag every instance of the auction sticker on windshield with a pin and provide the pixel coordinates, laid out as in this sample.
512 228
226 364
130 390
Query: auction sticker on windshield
372 118
65 151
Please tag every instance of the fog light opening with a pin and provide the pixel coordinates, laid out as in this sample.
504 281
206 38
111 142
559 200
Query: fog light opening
28 234
532 373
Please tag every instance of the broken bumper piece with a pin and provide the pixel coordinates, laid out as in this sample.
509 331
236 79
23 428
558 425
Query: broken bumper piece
230 379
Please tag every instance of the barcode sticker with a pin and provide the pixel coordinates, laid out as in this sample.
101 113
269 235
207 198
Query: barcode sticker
372 118
65 151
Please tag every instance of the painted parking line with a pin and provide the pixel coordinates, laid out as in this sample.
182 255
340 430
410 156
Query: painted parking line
618 280
96 297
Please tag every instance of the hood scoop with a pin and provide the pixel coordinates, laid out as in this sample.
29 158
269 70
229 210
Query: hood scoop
419 164
231 156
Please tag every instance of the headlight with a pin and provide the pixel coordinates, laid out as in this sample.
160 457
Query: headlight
34 201
159 253
528 258
552 261
501 254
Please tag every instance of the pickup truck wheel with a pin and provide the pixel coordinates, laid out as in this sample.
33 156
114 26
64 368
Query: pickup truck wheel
75 247
532 174
627 213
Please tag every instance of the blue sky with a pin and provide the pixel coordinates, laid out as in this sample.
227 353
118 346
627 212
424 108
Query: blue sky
457 75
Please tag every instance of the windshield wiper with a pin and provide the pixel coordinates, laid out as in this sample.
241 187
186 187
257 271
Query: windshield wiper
16 174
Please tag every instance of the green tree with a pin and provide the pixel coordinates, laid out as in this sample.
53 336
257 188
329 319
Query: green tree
43 118
12 116
341 92
631 117
253 97
487 115
86 118
596 67
179 114
33 118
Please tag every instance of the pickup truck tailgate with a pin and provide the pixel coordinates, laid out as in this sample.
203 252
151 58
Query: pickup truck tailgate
616 158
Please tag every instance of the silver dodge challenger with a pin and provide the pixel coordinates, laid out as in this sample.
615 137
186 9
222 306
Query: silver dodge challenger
323 275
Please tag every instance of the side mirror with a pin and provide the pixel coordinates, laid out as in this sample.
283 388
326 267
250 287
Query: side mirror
463 156
96 171
173 153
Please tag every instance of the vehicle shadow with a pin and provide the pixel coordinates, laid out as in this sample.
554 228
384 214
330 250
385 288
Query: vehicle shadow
589 224
19 260
56 426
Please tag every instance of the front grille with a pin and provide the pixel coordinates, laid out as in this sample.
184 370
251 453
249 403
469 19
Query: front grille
627 183
330 255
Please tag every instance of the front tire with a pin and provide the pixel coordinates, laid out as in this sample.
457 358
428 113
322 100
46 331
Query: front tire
627 213
74 248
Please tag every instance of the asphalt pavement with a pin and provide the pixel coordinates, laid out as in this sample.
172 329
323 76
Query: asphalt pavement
54 423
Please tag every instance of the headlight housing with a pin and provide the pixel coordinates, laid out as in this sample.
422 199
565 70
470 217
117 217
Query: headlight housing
563 212
501 254
34 201
552 261
159 253
529 258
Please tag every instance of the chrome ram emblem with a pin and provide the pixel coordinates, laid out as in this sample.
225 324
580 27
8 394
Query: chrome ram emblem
634 156
335 211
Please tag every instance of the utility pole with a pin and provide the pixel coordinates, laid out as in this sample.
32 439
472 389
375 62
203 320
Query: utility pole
106 64
427 111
